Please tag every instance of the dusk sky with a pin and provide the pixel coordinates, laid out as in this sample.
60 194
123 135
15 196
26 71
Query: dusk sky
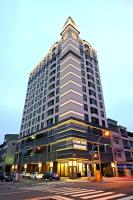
28 28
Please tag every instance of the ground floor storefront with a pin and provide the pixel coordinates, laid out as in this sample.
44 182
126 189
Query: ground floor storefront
72 168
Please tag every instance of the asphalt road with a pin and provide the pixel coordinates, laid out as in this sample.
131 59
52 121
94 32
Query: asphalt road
60 190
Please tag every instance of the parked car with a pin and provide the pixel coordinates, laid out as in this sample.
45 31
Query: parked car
39 176
51 176
25 174
1 176
7 177
33 175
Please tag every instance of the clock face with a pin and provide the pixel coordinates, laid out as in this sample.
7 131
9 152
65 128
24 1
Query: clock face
74 35
65 36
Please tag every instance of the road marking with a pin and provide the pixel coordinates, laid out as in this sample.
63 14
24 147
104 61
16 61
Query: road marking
62 198
8 193
112 196
97 195
74 192
126 198
83 194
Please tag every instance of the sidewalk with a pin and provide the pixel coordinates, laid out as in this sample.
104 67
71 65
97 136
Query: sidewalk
105 179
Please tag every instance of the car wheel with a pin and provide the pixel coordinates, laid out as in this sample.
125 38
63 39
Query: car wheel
50 178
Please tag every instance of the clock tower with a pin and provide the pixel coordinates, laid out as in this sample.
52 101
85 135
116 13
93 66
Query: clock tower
71 98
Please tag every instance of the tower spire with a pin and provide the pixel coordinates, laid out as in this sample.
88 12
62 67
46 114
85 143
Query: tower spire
69 22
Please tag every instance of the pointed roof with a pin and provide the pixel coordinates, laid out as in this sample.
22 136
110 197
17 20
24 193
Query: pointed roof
70 22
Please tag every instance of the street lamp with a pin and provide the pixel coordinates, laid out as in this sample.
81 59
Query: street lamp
105 134
113 164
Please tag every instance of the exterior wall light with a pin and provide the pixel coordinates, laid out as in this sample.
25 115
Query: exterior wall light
39 165
51 164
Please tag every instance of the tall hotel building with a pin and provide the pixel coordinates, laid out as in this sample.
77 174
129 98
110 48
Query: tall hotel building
64 113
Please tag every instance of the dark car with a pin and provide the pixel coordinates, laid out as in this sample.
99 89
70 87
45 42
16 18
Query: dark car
7 177
1 176
51 176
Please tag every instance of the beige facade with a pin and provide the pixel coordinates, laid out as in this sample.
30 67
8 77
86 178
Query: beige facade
65 83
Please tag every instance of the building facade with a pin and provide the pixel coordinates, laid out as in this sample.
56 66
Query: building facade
7 152
122 144
64 113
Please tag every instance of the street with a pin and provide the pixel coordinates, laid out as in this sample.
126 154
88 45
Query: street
61 190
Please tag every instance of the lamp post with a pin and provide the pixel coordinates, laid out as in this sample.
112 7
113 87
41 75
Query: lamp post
113 165
105 134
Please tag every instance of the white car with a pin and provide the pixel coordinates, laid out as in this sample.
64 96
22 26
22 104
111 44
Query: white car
25 174
33 175
39 176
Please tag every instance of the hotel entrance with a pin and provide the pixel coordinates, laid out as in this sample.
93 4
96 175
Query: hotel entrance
63 169
73 168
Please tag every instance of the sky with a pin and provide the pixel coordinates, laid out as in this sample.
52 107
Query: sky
28 28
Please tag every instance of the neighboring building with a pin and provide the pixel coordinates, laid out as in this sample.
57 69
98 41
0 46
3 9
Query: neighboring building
7 152
64 112
122 143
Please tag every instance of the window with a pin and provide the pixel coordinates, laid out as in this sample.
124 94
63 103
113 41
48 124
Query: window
45 91
49 121
50 103
56 118
89 70
43 108
84 88
57 91
91 92
116 140
126 144
82 59
99 96
98 82
84 97
46 78
83 81
94 110
82 73
86 117
52 86
50 112
56 109
98 88
93 101
58 68
81 53
102 113
52 73
90 77
57 99
90 84
85 107
97 75
42 116
58 74
57 82
51 94
82 65
101 105
95 120
103 123
96 69
42 125
52 79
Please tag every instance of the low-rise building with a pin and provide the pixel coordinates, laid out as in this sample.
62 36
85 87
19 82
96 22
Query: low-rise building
122 145
7 152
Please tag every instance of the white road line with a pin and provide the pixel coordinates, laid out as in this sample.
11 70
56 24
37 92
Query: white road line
61 198
74 192
97 195
83 194
60 190
8 193
126 198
